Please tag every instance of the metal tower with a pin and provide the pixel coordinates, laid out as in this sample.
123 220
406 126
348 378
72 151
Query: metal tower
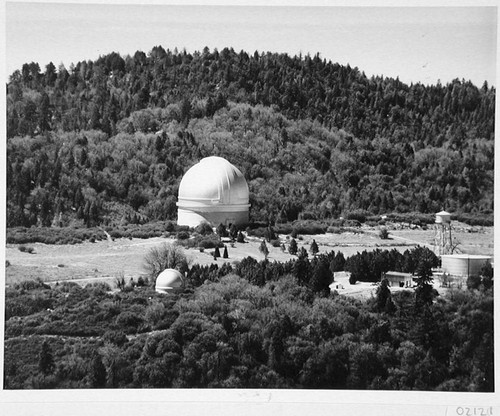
442 237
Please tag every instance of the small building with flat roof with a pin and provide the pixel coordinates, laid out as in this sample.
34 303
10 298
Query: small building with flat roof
398 279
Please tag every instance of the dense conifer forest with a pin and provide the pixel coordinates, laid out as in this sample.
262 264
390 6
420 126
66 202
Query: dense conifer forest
107 141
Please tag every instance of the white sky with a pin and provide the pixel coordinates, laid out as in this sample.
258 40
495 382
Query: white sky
418 44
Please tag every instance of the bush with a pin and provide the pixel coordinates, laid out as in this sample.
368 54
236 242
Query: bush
46 235
383 233
200 241
204 229
166 256
182 235
31 285
473 282
25 249
116 337
128 320
358 215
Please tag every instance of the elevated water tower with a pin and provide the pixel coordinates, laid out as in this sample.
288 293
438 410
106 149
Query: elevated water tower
442 237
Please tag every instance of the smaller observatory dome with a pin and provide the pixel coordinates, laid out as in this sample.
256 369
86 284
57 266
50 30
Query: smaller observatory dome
213 191
169 280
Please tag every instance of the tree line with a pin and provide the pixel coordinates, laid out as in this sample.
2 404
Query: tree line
107 141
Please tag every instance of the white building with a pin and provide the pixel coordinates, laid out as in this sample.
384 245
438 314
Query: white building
213 191
463 265
169 280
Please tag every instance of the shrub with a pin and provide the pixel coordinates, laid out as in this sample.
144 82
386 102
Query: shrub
240 238
209 242
25 249
473 282
204 229
116 337
166 256
383 233
200 241
358 215
31 285
128 319
182 235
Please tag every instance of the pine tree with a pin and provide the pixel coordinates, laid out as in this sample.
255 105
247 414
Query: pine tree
45 359
383 294
424 292
292 247
320 276
314 248
225 255
263 249
217 252
240 238
233 232
97 372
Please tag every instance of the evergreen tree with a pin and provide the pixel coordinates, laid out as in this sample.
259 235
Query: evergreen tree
320 276
263 249
97 372
424 292
314 248
233 232
302 253
221 230
292 247
383 294
240 238
45 359
225 255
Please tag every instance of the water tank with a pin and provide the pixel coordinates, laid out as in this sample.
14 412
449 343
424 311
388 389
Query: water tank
464 265
443 217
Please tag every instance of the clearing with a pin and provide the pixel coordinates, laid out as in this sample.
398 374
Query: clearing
108 260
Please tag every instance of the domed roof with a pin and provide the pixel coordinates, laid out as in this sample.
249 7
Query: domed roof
213 181
169 280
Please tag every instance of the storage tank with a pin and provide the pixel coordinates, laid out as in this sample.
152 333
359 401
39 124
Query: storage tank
443 217
464 265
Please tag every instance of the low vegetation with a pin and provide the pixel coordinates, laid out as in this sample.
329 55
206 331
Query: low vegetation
254 325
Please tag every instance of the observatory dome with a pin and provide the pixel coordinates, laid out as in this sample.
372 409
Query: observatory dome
213 191
169 280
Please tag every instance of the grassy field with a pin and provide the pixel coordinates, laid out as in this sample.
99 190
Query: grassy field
107 260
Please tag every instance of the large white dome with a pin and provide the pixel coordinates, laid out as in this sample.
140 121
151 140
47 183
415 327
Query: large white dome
213 191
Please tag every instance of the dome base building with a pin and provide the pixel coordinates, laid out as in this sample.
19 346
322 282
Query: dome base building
213 191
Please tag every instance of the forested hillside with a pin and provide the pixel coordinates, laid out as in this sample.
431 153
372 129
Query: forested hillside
107 141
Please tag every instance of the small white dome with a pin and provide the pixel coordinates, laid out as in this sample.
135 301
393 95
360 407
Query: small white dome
213 191
169 280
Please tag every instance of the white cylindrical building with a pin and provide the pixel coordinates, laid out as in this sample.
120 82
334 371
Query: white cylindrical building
213 191
169 280
463 265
